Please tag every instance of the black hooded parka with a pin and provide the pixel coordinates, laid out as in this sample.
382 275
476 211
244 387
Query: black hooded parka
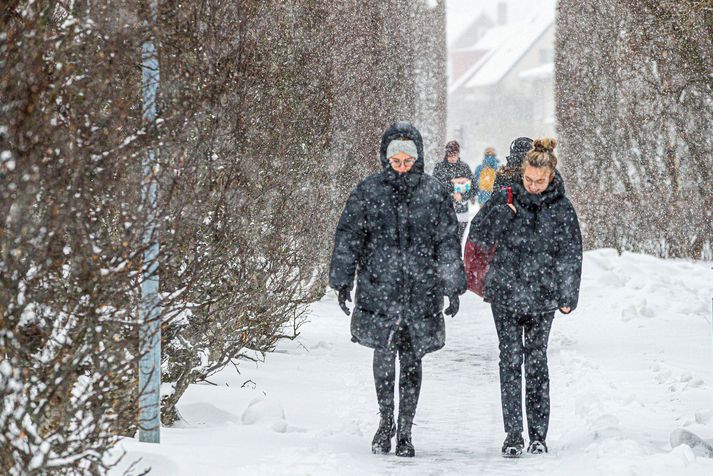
398 235
444 172
537 265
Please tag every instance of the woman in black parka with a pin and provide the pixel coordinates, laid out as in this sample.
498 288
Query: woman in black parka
398 234
536 270
450 170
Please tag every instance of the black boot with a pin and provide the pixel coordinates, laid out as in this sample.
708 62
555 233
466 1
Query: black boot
381 444
513 445
404 447
537 447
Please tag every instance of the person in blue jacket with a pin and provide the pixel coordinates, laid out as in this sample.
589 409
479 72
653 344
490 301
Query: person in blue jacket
484 175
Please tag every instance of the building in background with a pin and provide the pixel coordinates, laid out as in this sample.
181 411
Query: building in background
462 54
501 82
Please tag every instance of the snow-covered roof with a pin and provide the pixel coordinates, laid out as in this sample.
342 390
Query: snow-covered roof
494 37
540 72
505 45
463 78
520 40
488 44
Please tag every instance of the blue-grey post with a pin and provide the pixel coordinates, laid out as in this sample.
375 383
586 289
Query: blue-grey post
150 310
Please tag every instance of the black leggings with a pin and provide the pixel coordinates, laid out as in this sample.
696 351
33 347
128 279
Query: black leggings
409 378
523 339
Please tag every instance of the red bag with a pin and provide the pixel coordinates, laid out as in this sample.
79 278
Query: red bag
477 261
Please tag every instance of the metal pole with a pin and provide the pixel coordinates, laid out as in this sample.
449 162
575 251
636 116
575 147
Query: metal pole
150 310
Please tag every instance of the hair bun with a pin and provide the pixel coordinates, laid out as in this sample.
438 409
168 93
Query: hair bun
544 144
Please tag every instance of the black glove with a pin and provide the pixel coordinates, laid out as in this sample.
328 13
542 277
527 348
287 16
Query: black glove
453 305
343 297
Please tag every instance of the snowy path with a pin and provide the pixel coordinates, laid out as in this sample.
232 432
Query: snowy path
632 364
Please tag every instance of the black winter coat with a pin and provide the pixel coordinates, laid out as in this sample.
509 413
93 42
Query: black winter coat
398 234
444 171
538 261
505 177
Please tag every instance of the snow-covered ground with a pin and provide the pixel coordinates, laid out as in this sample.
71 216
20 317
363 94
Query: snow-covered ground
630 365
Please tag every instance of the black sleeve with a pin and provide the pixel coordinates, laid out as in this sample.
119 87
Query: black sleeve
439 173
569 258
349 242
491 221
469 175
448 255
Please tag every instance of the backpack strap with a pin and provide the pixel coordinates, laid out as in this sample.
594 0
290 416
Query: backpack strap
509 195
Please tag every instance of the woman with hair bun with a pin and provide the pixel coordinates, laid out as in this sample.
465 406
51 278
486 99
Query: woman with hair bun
535 271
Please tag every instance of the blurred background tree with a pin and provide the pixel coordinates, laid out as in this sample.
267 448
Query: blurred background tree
635 115
269 113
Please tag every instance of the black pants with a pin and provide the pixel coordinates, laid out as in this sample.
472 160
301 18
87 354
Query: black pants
409 378
523 338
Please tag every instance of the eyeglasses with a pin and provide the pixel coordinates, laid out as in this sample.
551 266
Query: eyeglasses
537 183
401 163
